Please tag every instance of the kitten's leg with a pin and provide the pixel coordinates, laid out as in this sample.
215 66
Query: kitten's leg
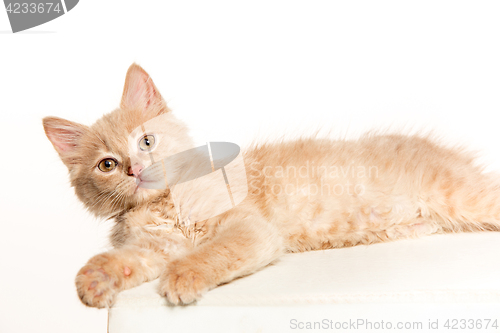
108 273
243 245
412 229
471 204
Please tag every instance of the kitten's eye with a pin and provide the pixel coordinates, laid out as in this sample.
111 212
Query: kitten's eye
147 142
107 165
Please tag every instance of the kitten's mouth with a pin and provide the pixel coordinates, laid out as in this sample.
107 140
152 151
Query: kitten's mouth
138 183
142 184
149 182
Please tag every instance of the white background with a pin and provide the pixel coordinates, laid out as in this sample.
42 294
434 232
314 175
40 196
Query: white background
233 71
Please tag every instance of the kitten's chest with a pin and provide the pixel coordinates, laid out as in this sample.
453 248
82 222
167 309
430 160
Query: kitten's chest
156 225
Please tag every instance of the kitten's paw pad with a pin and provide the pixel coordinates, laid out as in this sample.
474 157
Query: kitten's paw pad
96 286
182 284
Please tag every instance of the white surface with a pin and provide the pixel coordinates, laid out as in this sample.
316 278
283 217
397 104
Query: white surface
234 71
441 276
440 268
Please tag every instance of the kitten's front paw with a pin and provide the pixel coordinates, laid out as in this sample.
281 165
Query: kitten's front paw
184 282
97 284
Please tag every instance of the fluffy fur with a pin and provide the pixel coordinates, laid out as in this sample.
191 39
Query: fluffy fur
303 195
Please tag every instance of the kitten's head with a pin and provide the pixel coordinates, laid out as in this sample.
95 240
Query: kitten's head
105 160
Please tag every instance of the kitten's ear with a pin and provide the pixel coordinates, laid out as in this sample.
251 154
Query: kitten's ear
140 93
64 136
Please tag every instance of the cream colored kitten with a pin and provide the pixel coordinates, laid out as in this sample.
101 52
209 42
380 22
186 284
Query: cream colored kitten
303 195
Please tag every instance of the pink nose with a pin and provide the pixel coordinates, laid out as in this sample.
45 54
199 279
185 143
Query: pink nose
135 170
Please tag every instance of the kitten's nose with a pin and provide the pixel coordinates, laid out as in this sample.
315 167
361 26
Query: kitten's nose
135 170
